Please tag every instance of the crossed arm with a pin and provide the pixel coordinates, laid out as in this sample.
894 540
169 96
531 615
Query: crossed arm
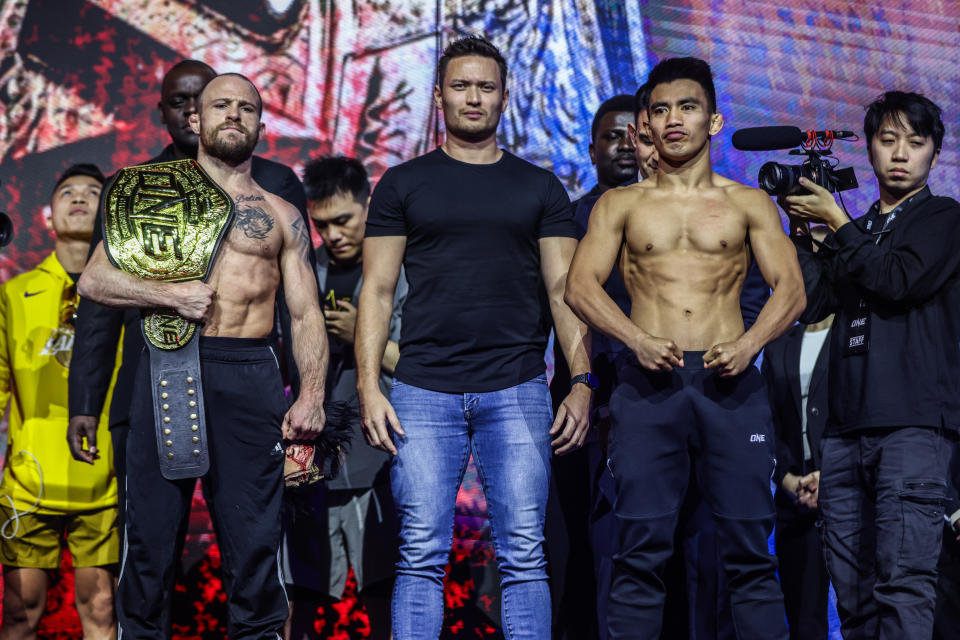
104 283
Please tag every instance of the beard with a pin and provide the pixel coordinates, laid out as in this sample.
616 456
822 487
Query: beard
233 152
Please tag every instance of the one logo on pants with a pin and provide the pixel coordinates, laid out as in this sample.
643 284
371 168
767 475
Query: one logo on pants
758 437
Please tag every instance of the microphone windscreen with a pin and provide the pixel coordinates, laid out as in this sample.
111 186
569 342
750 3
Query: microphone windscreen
767 138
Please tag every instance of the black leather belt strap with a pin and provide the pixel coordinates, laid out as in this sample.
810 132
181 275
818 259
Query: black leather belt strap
179 411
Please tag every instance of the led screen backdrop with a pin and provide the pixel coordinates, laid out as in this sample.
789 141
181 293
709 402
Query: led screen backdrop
80 79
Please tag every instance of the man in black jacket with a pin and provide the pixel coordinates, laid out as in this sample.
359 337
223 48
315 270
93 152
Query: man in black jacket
894 374
795 369
98 327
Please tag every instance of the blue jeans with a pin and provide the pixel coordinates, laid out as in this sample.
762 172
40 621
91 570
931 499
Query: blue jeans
508 433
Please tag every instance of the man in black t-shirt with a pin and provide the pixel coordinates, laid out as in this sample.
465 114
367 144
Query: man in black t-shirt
357 509
482 235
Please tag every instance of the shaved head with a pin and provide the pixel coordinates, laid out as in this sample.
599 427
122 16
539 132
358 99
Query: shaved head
216 80
197 67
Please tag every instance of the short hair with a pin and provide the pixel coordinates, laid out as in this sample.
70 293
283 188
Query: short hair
471 46
641 101
81 169
239 75
328 176
622 102
687 68
904 108
191 63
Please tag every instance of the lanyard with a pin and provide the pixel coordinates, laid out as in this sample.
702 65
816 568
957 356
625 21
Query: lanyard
856 338
887 221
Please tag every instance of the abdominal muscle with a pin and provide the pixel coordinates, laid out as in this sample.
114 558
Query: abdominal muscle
688 296
246 287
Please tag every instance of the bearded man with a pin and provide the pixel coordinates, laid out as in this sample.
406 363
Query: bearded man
225 418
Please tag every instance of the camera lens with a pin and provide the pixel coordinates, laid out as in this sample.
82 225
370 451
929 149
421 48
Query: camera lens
775 178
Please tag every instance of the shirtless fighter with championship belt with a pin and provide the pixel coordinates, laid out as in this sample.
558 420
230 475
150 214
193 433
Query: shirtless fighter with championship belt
202 249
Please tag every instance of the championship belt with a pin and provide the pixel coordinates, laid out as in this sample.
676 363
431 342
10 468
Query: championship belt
166 221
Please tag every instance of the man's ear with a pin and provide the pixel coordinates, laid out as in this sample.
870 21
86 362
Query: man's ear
593 154
716 123
194 120
437 97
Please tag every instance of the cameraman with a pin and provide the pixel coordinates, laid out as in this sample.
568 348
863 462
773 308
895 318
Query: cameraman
894 369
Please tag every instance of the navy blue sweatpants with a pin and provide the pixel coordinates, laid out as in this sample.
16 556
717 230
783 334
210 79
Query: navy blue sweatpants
662 423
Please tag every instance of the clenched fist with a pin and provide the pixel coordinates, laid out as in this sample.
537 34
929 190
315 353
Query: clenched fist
658 354
193 299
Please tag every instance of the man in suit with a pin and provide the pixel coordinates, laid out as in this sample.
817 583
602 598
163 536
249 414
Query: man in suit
795 368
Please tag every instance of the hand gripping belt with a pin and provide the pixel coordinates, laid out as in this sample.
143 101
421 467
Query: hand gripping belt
166 221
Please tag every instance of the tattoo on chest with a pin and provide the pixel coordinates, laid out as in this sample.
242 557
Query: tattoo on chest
254 222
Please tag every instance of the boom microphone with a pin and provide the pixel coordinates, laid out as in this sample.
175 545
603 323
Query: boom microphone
773 138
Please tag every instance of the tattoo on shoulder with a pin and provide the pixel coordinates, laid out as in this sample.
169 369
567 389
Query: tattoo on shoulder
254 222
253 198
302 237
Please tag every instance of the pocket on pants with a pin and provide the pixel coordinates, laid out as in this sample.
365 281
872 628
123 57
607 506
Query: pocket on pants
921 504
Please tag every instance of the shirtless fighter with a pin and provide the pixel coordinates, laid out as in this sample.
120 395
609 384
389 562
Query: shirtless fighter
687 391
246 409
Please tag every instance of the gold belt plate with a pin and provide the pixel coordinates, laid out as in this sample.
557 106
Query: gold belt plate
165 221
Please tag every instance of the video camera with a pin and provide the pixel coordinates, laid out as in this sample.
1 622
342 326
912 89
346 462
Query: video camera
819 167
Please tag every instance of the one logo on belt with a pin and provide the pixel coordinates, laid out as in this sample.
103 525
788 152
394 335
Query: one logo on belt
758 437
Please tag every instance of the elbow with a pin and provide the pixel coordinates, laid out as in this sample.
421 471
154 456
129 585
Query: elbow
799 302
573 296
86 286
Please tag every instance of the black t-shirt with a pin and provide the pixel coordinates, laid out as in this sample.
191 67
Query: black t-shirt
340 285
476 318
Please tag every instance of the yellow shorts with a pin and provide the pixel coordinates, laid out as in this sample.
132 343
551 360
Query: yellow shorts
37 541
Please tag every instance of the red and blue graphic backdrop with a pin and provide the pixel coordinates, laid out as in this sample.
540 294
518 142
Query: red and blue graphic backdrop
80 79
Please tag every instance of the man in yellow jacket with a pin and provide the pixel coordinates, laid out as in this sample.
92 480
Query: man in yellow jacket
47 497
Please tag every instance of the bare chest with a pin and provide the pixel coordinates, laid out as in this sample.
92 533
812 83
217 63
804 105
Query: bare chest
702 226
254 232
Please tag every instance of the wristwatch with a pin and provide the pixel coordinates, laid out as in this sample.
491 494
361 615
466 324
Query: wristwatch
586 378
